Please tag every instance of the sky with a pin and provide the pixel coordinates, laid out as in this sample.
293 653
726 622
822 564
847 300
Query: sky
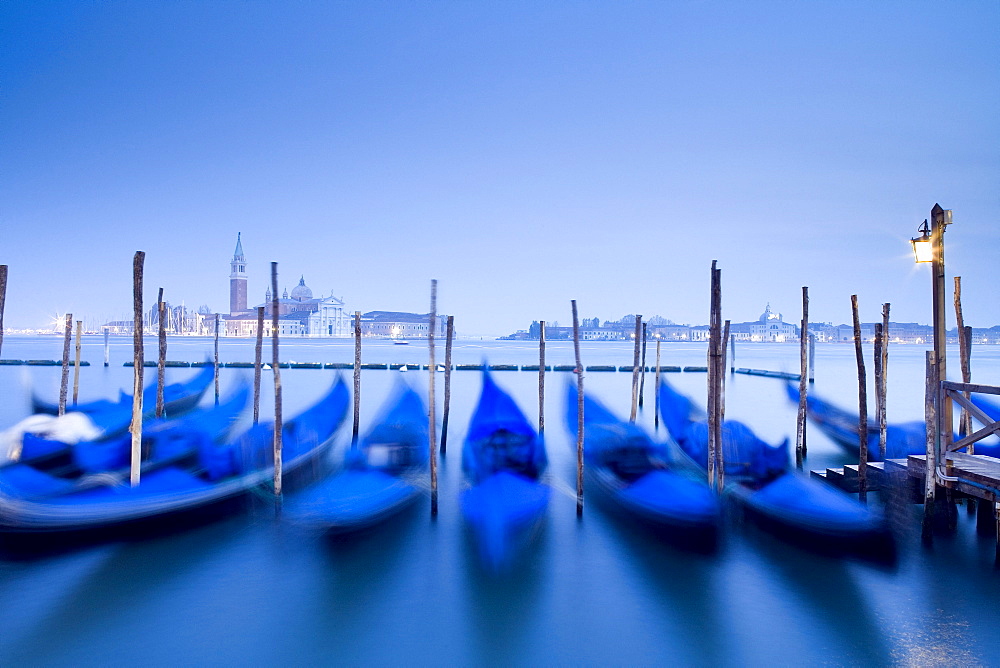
522 153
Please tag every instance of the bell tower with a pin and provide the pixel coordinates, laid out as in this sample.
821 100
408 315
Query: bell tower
238 280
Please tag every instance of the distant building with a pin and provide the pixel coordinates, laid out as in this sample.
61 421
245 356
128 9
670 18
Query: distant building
771 328
401 325
299 314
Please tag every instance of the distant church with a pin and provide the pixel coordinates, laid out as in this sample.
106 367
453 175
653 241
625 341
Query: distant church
299 314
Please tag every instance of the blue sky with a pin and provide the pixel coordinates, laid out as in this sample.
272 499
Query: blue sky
524 154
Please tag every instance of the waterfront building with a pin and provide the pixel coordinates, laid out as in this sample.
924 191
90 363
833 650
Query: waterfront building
401 325
772 328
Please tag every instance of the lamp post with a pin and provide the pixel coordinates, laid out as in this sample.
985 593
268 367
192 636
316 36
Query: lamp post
929 247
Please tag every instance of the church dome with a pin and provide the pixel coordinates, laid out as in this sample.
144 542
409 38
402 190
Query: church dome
301 292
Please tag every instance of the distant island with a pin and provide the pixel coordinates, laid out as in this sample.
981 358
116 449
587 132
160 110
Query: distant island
770 327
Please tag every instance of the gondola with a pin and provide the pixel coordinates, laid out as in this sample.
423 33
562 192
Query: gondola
841 427
634 475
760 481
51 441
503 458
114 417
384 474
171 491
163 439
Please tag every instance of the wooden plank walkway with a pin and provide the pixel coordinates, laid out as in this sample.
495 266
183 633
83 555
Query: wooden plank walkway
978 475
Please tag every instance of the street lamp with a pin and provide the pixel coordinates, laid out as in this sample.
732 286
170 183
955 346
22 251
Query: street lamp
923 247
929 247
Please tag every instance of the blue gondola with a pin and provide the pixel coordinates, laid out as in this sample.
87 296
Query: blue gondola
759 479
841 426
383 475
212 475
111 420
633 473
114 417
503 458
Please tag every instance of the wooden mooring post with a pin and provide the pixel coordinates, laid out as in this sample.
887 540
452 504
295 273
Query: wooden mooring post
800 418
862 406
541 377
635 367
931 391
216 359
732 353
722 371
107 348
812 358
716 459
656 390
642 365
3 299
356 426
257 363
137 363
64 380
162 358
449 335
76 362
276 369
964 352
431 417
579 410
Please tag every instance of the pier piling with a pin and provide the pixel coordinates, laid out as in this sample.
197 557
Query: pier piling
449 335
431 421
64 381
276 369
541 377
3 299
579 410
964 350
862 406
162 359
635 367
137 360
76 362
642 372
357 380
256 364
800 419
716 463
216 359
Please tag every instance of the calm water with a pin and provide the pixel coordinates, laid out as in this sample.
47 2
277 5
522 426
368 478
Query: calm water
250 590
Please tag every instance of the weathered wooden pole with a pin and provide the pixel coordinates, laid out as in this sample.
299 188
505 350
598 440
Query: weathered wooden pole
964 348
64 381
216 359
431 423
732 353
635 367
3 299
449 335
256 364
162 359
879 397
541 376
812 358
931 387
276 368
722 371
579 411
940 219
76 362
107 348
800 419
862 406
882 390
656 390
137 365
642 372
715 457
355 429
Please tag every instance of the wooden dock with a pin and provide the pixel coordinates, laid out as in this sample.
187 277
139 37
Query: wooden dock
977 476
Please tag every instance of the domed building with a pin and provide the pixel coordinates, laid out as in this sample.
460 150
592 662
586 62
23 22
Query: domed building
301 292
299 313
771 328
